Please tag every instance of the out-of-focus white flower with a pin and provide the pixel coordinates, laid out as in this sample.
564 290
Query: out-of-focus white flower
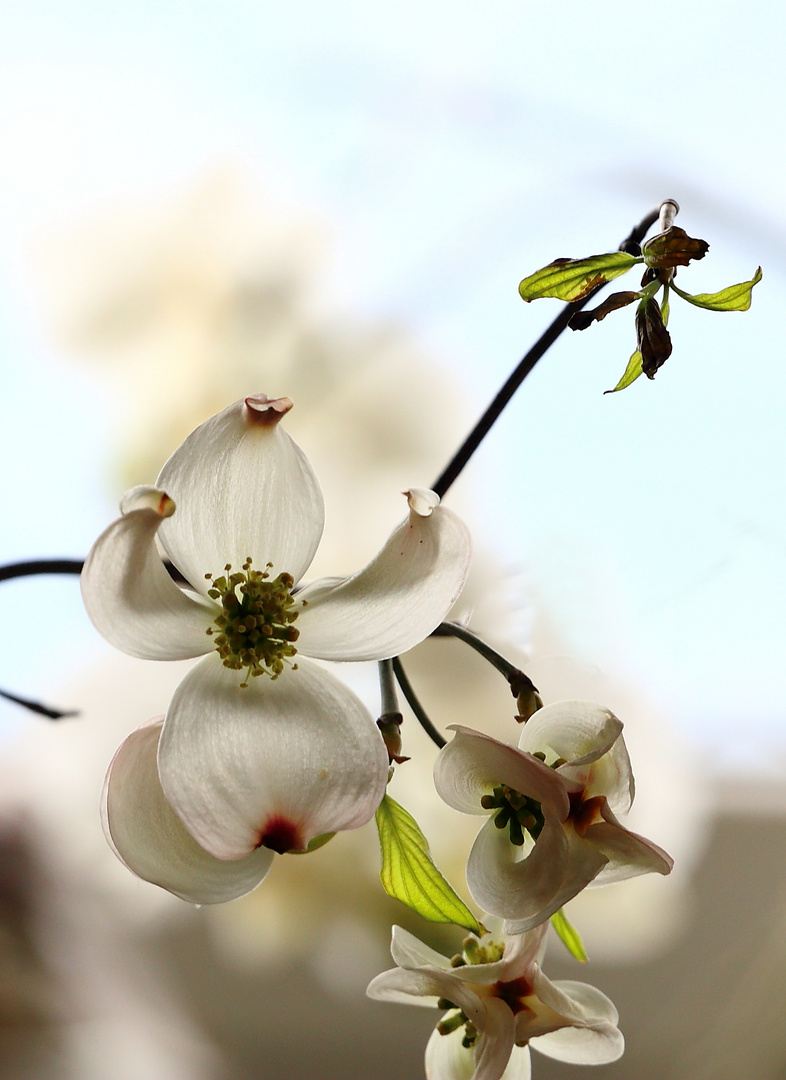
553 801
270 759
499 1001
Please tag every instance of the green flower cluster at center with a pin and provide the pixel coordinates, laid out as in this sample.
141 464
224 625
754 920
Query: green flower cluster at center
517 812
254 631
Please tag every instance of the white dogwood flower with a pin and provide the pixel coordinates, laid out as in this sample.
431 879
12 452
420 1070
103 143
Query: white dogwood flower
260 749
553 802
498 1001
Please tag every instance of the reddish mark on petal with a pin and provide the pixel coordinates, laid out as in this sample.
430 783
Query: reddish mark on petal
281 835
585 812
513 993
265 411
166 506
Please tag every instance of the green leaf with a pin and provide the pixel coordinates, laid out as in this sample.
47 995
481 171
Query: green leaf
408 873
569 935
664 306
734 298
573 279
632 372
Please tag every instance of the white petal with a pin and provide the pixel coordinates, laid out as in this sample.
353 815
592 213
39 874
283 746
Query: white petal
472 764
150 839
242 487
597 1045
396 600
128 593
409 952
590 738
578 731
518 1068
581 865
586 1002
406 987
571 1022
521 889
277 763
426 987
628 854
495 1041
447 1059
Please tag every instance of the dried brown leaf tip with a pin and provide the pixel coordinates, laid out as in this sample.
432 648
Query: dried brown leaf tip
582 319
653 338
673 248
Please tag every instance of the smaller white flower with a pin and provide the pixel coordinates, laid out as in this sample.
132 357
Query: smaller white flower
498 1001
553 802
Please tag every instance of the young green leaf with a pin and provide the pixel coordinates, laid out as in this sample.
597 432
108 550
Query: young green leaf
573 279
632 372
569 935
408 873
733 298
664 306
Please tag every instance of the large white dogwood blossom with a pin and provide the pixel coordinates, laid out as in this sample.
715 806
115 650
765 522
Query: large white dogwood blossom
498 1001
553 802
260 750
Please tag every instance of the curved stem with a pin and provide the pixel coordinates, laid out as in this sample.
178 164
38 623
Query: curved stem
631 243
451 629
40 566
387 689
414 704
38 707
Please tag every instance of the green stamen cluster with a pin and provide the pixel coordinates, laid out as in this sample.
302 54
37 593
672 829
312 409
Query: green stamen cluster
472 953
254 631
516 812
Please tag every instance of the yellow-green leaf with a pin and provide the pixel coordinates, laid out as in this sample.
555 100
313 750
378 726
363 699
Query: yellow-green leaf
664 306
573 279
569 935
632 372
733 298
408 872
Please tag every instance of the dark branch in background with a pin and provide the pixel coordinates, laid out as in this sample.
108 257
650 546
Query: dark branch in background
29 569
37 707
41 566
631 244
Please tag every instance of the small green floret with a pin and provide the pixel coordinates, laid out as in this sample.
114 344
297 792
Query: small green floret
254 632
516 812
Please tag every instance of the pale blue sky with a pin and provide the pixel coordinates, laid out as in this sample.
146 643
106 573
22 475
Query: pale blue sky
454 147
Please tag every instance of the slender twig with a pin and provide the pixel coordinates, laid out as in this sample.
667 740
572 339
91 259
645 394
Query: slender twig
41 566
414 704
452 629
455 467
387 689
38 707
